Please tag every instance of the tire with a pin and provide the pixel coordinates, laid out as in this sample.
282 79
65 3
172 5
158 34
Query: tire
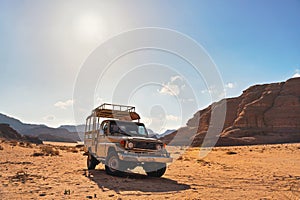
92 162
113 164
160 169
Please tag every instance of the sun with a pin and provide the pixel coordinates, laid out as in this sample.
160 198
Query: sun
89 27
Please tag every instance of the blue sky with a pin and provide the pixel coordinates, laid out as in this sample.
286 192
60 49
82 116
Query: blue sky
45 43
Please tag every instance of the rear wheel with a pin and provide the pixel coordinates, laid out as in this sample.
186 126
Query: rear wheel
92 162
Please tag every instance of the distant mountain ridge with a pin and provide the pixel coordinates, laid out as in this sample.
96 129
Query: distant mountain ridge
167 132
74 128
8 133
64 133
17 124
41 131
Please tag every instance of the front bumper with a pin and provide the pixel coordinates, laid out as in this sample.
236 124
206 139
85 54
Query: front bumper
144 158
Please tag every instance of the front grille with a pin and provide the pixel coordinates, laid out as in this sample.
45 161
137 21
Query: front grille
145 145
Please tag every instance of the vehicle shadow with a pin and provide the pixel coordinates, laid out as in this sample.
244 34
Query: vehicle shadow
134 182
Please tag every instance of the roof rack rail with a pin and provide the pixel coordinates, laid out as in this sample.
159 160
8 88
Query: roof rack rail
115 111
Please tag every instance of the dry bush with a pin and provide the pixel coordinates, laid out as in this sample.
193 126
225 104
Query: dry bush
22 144
203 162
80 147
187 159
49 151
37 154
231 152
63 148
28 145
68 149
21 176
13 143
73 150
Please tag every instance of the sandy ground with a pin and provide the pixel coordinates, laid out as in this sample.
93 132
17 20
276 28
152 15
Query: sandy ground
249 172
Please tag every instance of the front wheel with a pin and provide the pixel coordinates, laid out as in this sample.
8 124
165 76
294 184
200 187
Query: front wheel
156 170
112 164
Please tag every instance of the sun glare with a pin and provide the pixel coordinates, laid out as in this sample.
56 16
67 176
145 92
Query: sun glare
89 27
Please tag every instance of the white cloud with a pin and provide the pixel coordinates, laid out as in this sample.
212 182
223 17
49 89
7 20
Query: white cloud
230 85
99 100
297 74
172 90
188 100
49 118
210 90
174 78
147 120
172 118
64 104
173 87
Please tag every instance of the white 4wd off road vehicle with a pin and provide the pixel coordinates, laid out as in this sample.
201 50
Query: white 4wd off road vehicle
115 137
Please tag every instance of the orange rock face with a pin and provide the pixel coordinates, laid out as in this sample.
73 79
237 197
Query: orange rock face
263 114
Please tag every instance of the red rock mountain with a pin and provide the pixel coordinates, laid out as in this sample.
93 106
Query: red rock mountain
263 114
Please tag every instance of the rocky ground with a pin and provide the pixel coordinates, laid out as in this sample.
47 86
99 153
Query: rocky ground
248 172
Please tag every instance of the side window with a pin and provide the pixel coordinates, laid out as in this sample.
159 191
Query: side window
90 124
104 127
88 129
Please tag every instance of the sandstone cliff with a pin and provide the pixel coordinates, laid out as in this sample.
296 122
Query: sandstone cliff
263 114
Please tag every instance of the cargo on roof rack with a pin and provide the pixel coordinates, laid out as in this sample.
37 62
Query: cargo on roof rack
115 111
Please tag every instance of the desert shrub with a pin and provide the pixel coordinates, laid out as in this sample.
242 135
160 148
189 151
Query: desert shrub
203 162
231 152
79 146
14 143
21 176
63 148
29 145
187 159
67 192
74 150
49 151
37 154
21 144
1 148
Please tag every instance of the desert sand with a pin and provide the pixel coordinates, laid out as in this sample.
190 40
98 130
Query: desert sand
246 172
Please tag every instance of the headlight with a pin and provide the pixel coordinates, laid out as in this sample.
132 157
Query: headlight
158 147
130 145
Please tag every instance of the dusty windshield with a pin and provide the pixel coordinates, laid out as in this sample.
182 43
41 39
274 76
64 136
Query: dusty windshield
128 128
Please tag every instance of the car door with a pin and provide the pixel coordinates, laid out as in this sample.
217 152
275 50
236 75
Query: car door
101 150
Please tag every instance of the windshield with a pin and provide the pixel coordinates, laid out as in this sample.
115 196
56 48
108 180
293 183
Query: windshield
128 128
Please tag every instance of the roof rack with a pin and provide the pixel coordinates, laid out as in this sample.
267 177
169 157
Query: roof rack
116 111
